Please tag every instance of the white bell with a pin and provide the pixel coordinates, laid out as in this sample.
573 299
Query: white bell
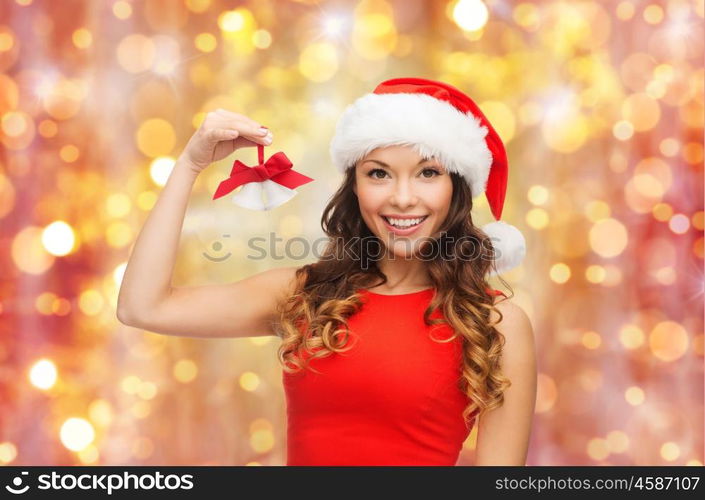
276 194
251 195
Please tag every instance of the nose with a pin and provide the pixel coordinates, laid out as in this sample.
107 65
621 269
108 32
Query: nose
403 195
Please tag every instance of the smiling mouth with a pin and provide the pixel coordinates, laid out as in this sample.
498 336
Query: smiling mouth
422 219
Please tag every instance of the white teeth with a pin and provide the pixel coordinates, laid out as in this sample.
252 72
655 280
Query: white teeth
402 223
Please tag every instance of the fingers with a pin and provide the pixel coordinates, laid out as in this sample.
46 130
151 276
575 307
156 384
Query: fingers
243 124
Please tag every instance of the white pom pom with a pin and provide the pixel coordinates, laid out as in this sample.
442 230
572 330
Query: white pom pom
509 245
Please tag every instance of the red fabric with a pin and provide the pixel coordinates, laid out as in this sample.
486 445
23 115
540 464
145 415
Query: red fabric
393 399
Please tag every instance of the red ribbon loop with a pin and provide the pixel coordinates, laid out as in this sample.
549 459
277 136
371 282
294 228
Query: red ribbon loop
278 169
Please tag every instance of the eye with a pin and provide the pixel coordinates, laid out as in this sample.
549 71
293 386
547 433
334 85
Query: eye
429 169
372 172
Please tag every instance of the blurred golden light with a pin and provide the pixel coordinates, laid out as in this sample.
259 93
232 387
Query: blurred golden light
501 117
198 6
537 218
591 340
653 14
231 21
141 409
146 200
595 274
63 99
623 130
167 54
261 340
526 15
538 195
597 210
43 374
698 220
130 384
45 302
118 273
631 336
7 41
118 234
185 370
374 35
634 395
101 412
76 434
69 153
662 212
47 128
613 275
318 61
89 455
16 123
559 273
262 39
28 252
249 381
598 449
668 341
625 10
470 15
565 130
679 223
8 452
642 111
160 170
118 204
205 42
608 237
146 390
82 38
546 393
617 441
122 9
670 451
693 153
155 137
262 441
135 53
58 238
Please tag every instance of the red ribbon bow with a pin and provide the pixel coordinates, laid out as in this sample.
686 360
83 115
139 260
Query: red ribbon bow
278 169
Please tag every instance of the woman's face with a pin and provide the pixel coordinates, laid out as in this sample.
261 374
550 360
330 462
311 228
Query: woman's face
396 183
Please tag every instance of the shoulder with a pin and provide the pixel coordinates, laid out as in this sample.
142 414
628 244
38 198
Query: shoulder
283 281
515 326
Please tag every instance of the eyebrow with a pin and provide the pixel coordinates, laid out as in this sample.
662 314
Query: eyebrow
385 165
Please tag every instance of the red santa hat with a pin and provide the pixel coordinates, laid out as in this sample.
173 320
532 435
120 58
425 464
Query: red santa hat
442 122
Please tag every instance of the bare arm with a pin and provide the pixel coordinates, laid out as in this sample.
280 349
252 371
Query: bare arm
503 433
146 295
147 277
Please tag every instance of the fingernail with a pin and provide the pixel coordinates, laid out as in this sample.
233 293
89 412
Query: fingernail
268 140
263 130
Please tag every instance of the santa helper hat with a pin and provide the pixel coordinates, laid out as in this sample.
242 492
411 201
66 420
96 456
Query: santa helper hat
440 121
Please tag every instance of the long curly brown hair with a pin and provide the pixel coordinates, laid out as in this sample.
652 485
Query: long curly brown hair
313 321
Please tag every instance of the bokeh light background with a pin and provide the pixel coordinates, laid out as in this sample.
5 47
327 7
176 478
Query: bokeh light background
600 104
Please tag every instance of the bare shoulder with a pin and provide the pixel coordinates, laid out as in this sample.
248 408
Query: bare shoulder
283 281
515 325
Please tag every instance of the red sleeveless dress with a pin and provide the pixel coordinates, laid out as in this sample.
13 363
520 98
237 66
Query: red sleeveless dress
393 399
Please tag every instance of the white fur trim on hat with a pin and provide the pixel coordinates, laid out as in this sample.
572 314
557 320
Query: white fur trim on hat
509 245
434 127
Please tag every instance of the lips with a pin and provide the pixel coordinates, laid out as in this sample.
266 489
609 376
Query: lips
403 231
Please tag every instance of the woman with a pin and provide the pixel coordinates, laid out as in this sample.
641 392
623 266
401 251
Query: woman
393 345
